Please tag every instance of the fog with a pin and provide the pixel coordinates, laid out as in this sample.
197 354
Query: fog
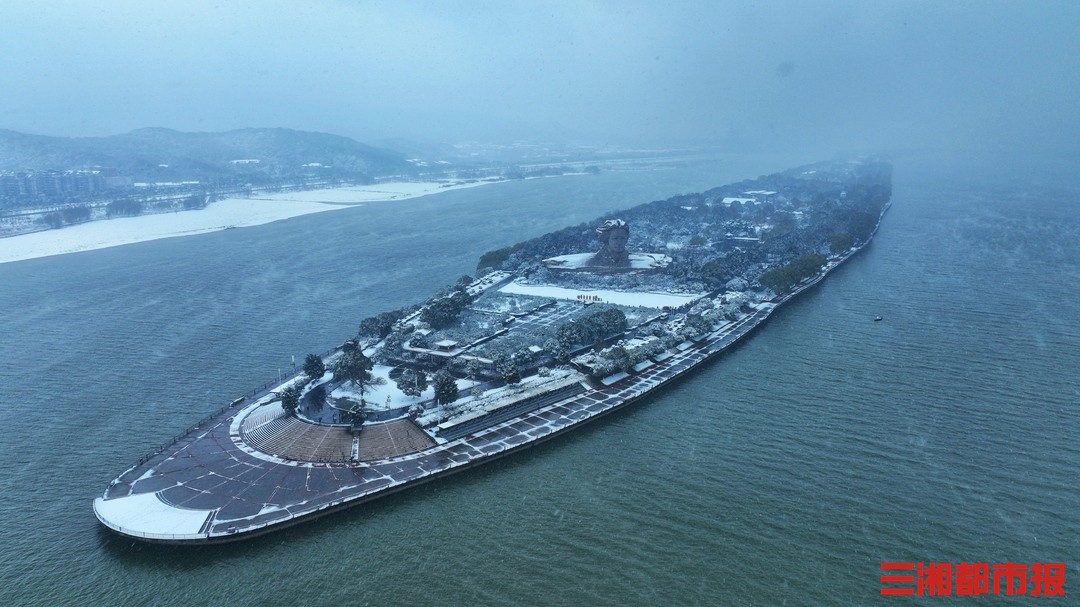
822 78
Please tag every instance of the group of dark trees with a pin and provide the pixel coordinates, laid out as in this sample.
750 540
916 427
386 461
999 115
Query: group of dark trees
442 312
355 367
591 328
67 216
380 325
833 198
124 207
782 279
194 202
413 382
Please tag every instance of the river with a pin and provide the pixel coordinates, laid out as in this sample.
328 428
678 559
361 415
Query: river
782 473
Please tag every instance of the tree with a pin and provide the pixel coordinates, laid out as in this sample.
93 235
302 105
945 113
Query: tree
195 202
555 349
53 220
784 278
371 327
124 207
356 415
591 328
697 324
444 311
381 324
619 358
778 280
290 400
76 214
354 367
314 367
840 242
473 368
391 347
569 334
506 368
446 390
413 382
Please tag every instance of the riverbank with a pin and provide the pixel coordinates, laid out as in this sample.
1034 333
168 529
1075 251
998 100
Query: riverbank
222 215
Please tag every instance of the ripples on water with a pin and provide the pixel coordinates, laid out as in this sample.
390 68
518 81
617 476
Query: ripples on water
783 473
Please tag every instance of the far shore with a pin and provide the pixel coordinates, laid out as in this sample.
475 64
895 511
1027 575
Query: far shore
221 215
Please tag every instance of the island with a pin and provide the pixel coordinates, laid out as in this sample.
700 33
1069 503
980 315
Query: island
551 334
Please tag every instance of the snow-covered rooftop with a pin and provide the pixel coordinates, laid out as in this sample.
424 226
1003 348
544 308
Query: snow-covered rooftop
732 199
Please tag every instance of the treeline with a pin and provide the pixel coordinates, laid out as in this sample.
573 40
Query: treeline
380 325
124 207
591 328
444 311
67 216
782 279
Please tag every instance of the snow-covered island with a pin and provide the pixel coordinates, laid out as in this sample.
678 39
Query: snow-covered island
494 364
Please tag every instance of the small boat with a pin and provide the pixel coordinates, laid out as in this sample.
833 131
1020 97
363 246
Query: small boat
877 318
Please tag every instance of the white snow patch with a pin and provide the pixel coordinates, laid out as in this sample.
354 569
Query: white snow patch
465 410
221 215
621 298
610 379
145 514
638 261
376 397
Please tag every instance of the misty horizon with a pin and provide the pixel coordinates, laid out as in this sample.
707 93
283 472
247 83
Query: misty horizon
836 77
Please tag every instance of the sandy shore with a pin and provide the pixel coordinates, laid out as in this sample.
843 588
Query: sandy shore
221 215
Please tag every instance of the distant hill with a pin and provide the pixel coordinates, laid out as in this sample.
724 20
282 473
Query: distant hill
160 154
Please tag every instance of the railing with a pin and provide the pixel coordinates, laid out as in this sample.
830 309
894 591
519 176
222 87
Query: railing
248 396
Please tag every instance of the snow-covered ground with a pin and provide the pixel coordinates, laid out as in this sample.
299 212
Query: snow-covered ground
622 298
145 514
638 261
376 396
477 405
229 213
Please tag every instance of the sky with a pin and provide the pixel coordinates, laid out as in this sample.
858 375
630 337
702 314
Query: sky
830 75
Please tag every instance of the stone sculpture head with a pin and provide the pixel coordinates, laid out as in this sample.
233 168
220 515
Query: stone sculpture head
613 233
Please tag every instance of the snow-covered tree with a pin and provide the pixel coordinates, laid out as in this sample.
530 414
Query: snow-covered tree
506 368
413 382
446 390
290 400
314 367
555 349
355 368
473 368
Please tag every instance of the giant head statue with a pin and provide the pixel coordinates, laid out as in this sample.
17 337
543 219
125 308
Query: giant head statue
613 233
